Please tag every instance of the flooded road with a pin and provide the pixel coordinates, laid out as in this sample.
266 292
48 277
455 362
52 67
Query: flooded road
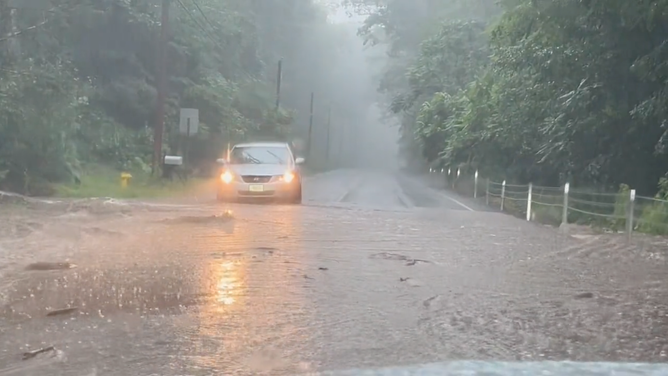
375 269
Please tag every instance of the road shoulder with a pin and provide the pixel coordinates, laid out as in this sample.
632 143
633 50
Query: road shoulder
428 191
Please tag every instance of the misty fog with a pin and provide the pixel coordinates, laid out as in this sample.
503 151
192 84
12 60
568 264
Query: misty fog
358 135
473 179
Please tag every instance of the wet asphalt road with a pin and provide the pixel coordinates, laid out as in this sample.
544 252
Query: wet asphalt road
375 269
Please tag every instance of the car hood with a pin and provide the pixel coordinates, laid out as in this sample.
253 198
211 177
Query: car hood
474 368
259 169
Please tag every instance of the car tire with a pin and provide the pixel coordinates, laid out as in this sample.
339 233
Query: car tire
220 197
297 199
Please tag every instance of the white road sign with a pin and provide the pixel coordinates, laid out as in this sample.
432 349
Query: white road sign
189 122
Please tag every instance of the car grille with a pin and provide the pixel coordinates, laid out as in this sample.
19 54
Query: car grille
256 194
255 179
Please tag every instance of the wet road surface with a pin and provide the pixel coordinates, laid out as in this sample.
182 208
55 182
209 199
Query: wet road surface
375 269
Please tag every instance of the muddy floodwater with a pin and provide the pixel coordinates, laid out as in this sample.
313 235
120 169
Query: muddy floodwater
374 269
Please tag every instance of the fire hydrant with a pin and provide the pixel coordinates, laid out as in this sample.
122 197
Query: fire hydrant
125 179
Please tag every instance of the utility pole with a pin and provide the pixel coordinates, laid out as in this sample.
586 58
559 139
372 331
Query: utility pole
278 83
159 128
329 123
8 32
310 128
5 32
342 136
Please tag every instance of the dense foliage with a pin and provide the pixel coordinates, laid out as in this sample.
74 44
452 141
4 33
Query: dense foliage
525 90
78 79
530 90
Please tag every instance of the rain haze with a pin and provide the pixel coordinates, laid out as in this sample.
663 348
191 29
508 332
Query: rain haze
305 187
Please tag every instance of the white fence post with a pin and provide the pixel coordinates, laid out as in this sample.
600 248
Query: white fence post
451 181
487 193
629 213
475 184
503 193
564 213
529 202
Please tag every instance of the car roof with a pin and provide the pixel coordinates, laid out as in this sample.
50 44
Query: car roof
263 144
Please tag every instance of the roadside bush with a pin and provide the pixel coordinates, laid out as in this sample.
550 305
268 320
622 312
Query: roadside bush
107 142
549 215
654 217
38 121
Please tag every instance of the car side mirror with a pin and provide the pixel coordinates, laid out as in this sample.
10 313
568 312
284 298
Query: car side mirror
299 160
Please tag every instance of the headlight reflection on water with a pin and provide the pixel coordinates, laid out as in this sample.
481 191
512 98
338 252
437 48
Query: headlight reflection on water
255 301
228 285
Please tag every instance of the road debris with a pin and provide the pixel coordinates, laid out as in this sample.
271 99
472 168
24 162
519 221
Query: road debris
397 257
32 354
428 302
192 219
63 311
43 266
412 262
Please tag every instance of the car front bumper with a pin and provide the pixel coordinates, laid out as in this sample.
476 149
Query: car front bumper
272 190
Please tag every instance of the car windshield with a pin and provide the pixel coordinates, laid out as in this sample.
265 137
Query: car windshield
260 155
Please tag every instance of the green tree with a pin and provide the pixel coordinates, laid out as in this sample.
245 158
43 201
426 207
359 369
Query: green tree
78 79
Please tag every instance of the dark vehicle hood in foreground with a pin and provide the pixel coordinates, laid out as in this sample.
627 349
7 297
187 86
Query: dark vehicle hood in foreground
477 368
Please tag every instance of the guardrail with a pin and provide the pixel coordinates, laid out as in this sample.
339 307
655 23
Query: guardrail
622 211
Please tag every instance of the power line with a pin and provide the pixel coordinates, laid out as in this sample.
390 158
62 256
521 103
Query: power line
74 6
196 21
192 17
203 15
210 32
36 26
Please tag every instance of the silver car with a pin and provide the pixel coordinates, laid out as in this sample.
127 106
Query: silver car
266 170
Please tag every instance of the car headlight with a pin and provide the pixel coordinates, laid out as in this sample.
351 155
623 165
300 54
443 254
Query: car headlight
226 177
288 177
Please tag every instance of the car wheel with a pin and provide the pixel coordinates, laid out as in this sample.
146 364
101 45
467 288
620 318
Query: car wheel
220 197
297 199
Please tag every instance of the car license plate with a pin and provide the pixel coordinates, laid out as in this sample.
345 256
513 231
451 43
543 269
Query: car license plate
256 188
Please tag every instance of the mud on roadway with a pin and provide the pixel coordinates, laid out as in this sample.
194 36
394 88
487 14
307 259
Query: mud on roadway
375 269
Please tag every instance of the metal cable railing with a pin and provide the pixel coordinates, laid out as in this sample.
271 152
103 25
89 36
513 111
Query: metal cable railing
621 211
